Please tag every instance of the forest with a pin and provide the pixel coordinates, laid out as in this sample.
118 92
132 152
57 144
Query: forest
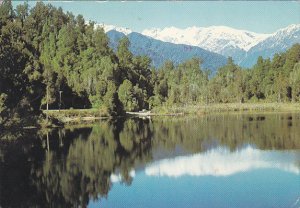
52 58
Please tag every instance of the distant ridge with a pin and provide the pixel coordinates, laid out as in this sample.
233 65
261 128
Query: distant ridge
243 46
160 51
277 42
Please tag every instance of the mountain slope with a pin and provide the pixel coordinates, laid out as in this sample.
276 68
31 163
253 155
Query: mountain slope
243 46
108 28
219 39
277 42
160 51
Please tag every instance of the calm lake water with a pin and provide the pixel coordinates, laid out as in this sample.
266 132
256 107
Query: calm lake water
233 160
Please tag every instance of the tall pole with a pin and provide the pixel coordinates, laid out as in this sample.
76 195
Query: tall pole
47 98
47 93
60 99
48 146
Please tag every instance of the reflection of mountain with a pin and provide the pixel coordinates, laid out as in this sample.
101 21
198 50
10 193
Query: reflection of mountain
222 162
75 166
114 178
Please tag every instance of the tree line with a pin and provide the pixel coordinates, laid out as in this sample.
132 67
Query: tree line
44 50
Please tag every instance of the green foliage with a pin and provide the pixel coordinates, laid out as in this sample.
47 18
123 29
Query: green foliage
185 83
2 102
269 80
123 53
127 96
45 53
295 82
111 100
230 84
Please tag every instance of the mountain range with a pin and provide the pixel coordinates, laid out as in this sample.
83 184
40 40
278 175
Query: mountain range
213 44
160 51
277 42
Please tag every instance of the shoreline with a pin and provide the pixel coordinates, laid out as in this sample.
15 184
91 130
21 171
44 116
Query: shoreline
74 117
229 107
92 115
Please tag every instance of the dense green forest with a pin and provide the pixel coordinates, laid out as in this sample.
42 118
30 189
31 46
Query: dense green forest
44 50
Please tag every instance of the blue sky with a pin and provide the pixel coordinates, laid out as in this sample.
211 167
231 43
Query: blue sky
256 16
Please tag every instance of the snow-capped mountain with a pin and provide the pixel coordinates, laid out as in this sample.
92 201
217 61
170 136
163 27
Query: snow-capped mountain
277 42
218 39
243 46
160 51
108 28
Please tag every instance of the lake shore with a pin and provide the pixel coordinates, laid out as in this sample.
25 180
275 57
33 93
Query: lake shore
228 107
75 117
91 115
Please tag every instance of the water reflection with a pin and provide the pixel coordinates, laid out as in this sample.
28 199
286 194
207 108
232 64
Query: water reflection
70 167
223 162
114 178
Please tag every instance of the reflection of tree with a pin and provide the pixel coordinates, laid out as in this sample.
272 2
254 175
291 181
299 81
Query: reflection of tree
48 182
85 172
18 157
135 142
273 131
91 160
76 165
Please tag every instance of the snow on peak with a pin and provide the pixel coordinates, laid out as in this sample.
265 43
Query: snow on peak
290 28
107 28
287 30
281 39
223 40
214 38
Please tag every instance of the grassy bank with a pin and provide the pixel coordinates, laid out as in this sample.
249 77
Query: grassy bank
77 115
90 115
227 107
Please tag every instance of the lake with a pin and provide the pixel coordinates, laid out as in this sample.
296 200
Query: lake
224 160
